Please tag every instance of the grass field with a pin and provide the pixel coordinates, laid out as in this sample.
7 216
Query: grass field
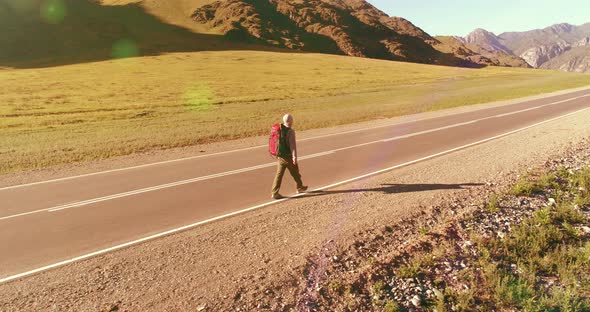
90 111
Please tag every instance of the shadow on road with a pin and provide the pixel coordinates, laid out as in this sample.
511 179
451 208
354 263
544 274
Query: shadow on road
398 188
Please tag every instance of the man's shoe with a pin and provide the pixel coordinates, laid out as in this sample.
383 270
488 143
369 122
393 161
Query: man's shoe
277 196
302 189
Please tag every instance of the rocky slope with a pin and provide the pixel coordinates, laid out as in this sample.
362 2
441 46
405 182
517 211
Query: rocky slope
486 41
577 59
75 31
561 46
348 27
351 27
474 53
540 46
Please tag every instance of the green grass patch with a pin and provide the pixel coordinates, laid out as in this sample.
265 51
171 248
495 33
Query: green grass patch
417 267
391 306
543 264
531 185
493 203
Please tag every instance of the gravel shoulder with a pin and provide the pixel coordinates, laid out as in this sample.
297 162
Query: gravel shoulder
273 258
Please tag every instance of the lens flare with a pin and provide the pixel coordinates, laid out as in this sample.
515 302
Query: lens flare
124 48
53 11
199 98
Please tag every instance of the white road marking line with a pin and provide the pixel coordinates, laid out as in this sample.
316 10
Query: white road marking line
186 227
150 189
243 149
198 179
316 155
22 214
191 158
431 130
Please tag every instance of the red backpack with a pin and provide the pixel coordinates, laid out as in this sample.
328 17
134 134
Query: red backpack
273 140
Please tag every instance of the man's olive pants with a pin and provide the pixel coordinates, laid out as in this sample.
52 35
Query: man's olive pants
282 165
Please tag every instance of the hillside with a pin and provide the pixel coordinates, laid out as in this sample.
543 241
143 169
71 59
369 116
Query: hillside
566 34
353 28
476 54
175 12
73 31
576 60
485 40
558 47
548 47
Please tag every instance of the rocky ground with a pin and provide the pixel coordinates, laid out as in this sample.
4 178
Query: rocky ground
324 252
383 271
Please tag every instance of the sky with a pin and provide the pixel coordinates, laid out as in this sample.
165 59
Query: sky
460 17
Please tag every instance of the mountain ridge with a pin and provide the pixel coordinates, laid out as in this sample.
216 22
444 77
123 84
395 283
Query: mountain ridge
546 48
356 27
345 27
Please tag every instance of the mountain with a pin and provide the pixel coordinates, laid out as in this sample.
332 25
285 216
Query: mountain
486 41
577 59
561 46
564 34
74 31
70 31
481 47
350 27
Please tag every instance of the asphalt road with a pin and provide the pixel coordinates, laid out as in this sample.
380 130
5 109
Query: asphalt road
47 223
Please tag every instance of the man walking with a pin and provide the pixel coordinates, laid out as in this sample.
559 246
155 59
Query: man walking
287 158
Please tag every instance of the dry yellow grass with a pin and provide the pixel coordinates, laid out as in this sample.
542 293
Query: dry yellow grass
97 110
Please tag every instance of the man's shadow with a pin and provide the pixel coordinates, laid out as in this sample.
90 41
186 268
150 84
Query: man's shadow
398 189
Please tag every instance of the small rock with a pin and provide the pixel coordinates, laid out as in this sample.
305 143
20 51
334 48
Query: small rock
586 229
551 202
202 307
438 294
416 301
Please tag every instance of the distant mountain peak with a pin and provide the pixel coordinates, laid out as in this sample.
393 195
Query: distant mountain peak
478 31
486 40
562 28
561 46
